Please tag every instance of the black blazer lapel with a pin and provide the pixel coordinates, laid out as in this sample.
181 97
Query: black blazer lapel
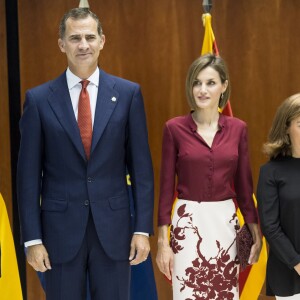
61 104
107 100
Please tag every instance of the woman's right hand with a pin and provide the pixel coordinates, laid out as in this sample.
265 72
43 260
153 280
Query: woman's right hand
164 260
165 255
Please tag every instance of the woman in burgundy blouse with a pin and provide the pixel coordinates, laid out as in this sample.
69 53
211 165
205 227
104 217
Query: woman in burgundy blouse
205 159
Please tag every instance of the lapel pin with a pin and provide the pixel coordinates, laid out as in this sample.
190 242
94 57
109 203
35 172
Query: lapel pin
113 99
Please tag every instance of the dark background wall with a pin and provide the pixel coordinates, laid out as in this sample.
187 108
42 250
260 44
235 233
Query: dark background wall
153 43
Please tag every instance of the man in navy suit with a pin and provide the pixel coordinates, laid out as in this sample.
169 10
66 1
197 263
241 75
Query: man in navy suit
73 198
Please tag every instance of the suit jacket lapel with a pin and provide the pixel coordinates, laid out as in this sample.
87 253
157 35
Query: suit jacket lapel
61 104
107 100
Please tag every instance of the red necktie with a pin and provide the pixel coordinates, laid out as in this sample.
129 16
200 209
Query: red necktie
85 118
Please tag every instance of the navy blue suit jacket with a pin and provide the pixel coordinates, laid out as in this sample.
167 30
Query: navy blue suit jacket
57 186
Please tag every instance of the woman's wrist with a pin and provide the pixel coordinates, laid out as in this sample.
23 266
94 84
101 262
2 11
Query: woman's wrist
163 237
297 268
163 243
254 229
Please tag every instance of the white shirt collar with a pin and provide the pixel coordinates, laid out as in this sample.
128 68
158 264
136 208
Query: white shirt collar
73 80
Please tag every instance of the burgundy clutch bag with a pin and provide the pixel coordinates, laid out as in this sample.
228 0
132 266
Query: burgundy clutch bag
244 242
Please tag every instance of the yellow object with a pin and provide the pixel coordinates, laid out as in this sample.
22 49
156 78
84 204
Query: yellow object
256 276
10 286
209 37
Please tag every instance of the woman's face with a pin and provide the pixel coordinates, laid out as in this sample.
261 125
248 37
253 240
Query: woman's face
294 133
207 89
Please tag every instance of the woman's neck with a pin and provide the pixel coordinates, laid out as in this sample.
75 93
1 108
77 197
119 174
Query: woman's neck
295 152
206 118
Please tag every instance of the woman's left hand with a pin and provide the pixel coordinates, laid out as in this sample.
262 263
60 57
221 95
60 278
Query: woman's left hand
257 243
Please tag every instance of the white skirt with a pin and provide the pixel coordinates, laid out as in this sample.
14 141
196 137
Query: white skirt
203 236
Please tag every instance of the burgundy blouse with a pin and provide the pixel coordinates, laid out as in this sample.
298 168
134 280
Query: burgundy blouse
205 174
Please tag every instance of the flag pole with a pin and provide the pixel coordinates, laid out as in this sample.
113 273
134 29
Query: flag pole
84 4
207 6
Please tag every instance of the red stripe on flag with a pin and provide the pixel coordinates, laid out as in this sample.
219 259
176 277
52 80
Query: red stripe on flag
227 110
243 278
215 48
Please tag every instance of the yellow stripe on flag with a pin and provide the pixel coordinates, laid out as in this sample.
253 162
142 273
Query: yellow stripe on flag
256 277
257 274
209 37
10 286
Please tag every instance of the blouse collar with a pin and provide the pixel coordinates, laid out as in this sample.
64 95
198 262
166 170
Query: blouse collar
192 124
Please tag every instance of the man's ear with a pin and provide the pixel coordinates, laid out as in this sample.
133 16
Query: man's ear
102 41
61 45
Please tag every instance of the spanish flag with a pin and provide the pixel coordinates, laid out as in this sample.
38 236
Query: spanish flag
252 279
10 286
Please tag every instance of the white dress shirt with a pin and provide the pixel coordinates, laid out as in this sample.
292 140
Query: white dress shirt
75 86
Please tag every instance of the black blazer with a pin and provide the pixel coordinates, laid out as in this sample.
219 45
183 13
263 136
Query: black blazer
278 195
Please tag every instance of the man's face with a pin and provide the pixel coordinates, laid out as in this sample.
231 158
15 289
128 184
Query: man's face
82 44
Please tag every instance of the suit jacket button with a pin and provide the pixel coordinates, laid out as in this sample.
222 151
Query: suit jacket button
86 202
90 179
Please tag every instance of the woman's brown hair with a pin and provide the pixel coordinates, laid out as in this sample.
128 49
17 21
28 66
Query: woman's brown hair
204 61
278 140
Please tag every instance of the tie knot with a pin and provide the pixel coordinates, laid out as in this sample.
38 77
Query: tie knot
84 83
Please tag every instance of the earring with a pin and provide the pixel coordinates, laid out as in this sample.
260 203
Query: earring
222 96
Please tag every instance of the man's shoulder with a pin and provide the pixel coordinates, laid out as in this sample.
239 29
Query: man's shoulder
120 81
49 85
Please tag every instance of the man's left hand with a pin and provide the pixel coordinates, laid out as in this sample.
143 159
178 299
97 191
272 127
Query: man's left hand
139 249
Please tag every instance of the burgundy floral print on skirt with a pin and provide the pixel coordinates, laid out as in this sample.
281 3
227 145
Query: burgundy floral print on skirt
203 239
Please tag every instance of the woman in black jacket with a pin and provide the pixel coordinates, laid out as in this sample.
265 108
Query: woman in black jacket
279 201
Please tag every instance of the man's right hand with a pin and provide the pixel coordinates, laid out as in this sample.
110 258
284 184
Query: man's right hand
37 257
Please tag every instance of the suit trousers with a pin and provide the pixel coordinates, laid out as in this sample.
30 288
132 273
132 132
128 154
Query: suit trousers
108 279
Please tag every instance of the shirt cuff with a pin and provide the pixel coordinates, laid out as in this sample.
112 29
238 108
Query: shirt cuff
33 242
38 241
142 233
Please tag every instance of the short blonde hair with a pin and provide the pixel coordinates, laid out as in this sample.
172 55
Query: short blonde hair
204 61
